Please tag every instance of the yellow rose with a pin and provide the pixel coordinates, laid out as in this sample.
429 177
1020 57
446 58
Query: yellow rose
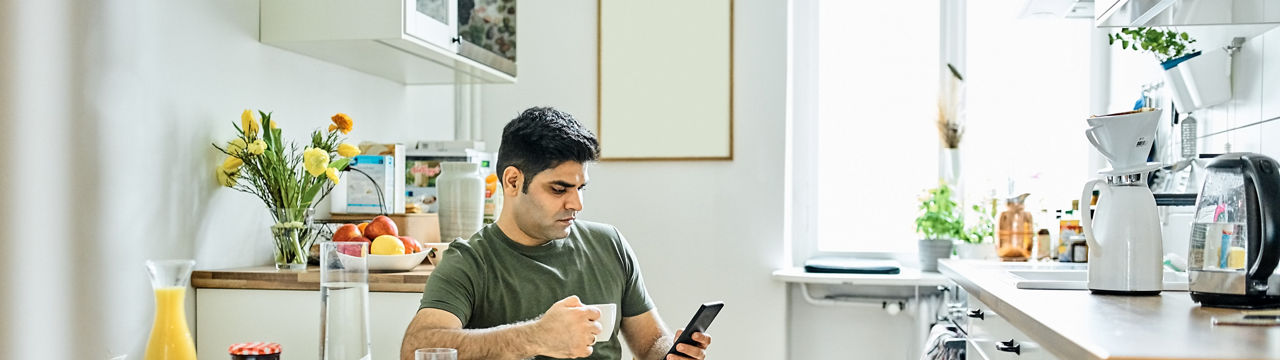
236 147
257 147
232 163
332 174
348 150
341 122
315 161
248 123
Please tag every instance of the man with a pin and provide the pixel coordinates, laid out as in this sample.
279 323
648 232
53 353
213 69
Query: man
519 288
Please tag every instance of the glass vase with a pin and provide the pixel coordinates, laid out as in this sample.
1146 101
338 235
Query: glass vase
292 234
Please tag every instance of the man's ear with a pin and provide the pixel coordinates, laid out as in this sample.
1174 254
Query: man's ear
512 180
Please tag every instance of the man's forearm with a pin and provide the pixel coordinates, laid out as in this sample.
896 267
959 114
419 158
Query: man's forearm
660 347
512 341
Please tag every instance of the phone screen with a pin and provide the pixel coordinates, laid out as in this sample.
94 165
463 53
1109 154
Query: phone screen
699 323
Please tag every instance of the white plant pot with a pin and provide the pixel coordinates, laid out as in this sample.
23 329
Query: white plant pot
1201 81
982 251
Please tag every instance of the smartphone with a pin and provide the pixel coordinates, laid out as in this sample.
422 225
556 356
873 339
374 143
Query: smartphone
699 323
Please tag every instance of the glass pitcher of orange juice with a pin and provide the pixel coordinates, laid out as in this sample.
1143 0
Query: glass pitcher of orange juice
170 337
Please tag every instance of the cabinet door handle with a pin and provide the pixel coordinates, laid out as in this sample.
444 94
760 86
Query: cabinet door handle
977 313
1009 346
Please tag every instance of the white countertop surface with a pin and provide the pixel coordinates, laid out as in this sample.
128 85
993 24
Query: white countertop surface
1075 324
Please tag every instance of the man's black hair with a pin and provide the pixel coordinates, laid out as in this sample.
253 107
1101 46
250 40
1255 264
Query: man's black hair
542 138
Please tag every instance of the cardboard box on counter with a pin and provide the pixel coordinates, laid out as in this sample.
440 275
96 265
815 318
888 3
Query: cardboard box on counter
423 227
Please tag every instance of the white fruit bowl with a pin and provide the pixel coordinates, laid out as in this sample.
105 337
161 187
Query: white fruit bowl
404 262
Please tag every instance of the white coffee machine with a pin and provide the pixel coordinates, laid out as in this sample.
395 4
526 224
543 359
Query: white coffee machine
1125 250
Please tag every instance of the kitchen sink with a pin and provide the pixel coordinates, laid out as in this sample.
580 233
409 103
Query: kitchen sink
1051 275
1075 278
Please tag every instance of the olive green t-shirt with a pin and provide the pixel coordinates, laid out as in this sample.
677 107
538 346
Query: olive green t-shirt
491 280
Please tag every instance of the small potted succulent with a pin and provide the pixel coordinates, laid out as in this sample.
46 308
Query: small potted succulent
1196 79
940 223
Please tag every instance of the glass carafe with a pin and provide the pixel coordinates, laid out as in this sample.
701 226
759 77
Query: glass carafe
1016 231
170 337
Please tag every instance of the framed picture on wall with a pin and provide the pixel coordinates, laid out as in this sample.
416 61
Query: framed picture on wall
665 79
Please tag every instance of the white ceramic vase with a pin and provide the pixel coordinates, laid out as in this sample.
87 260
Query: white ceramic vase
979 251
461 195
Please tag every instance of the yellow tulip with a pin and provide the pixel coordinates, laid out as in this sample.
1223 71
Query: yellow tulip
341 122
257 147
332 174
226 178
315 161
236 147
272 124
248 123
348 150
232 163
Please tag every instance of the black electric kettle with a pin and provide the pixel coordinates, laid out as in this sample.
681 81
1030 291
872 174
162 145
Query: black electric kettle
1235 237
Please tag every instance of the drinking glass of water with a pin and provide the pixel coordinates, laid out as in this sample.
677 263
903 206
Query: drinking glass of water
344 301
435 354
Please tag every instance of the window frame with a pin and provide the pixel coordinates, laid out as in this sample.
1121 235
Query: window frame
800 174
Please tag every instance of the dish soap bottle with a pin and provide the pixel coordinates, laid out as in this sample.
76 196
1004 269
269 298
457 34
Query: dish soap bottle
1016 231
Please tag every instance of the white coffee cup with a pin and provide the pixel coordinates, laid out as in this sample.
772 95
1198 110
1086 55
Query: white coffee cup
608 313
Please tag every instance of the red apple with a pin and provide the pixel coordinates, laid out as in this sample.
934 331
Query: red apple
348 232
350 247
381 225
410 245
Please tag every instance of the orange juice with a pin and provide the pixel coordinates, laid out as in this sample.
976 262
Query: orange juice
170 338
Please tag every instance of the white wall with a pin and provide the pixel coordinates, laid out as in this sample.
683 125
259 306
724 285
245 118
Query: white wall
703 231
110 108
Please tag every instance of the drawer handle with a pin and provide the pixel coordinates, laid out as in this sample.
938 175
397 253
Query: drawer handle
1010 346
977 313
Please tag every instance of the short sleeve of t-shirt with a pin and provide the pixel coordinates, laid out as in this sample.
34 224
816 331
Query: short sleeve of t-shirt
451 286
635 299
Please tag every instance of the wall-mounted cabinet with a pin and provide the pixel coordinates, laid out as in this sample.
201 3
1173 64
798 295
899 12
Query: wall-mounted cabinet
407 41
1149 13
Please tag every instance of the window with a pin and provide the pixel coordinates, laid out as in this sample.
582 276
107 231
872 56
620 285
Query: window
864 143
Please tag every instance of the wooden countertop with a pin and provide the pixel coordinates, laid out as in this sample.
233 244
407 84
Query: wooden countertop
268 278
1075 324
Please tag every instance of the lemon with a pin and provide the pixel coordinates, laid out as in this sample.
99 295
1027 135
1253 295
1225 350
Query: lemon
387 245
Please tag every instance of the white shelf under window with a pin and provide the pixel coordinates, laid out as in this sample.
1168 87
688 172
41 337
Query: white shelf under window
907 277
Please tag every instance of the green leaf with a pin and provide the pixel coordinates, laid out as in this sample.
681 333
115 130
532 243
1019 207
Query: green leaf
340 164
1124 44
312 191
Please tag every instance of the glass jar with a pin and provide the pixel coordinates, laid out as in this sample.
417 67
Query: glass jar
255 351
1016 231
461 192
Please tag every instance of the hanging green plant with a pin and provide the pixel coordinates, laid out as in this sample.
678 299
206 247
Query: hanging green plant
1166 45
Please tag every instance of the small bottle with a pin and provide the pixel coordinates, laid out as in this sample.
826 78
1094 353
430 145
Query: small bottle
1056 235
1093 203
1069 228
1042 244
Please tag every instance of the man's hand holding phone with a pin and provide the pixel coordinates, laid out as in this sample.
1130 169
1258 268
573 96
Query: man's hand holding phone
696 351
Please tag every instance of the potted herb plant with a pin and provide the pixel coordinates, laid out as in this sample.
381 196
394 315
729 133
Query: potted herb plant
1196 79
974 241
940 222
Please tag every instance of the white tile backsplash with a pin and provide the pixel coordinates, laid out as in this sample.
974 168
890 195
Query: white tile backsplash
1271 72
1255 97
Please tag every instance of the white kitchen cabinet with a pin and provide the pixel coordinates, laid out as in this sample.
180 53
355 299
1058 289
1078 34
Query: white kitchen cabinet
407 41
987 332
292 319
